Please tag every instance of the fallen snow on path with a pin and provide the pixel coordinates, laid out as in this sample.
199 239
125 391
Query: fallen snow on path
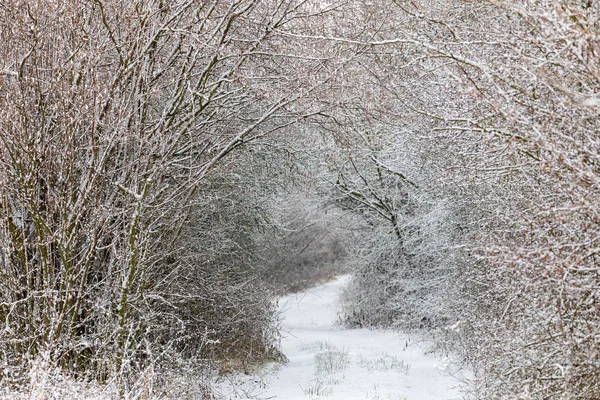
328 361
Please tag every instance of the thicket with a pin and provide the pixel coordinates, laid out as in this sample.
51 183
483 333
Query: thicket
147 149
311 246
497 109
135 169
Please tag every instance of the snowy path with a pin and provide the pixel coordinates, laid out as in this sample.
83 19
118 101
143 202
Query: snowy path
327 361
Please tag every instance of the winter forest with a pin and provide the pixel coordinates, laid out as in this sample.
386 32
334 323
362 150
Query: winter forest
170 168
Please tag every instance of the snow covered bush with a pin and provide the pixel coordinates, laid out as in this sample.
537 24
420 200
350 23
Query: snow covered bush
500 98
113 115
542 335
403 259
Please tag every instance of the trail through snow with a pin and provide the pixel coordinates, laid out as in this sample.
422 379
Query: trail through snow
328 361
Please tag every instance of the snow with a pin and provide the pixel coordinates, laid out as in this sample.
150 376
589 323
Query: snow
329 361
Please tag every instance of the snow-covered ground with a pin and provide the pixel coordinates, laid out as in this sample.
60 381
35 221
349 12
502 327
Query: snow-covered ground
330 362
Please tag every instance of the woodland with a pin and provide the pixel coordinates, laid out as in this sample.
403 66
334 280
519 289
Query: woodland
168 168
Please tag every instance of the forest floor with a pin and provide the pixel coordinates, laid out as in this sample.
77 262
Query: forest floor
329 361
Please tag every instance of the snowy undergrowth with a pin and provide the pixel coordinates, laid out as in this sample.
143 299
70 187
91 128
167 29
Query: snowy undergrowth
330 365
184 381
327 361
